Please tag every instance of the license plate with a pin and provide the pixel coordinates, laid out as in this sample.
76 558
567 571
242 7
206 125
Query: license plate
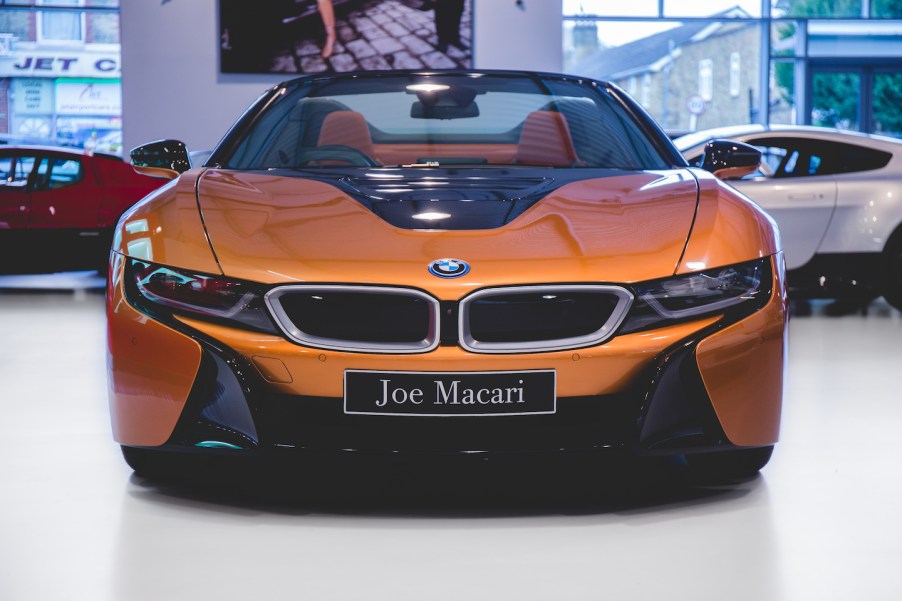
450 393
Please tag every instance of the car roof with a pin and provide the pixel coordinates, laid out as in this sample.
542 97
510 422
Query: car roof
690 141
58 150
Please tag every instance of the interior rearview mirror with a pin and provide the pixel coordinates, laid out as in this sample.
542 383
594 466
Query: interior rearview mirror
450 102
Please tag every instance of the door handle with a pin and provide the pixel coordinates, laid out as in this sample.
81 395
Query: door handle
809 196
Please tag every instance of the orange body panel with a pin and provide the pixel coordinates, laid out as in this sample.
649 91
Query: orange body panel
166 228
618 229
152 370
742 368
729 228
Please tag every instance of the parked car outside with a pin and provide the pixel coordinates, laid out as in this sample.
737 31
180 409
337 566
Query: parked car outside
449 262
58 206
837 199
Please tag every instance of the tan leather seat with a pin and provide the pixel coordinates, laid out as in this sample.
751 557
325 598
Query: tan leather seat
347 128
545 140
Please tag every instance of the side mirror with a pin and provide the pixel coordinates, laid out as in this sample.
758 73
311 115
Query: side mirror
162 154
728 159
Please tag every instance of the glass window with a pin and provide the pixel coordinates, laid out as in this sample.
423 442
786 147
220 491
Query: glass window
54 173
15 171
800 157
835 99
787 38
103 26
887 98
6 167
678 61
886 9
806 39
706 79
784 98
771 158
61 25
818 8
487 120
15 23
735 70
712 8
611 8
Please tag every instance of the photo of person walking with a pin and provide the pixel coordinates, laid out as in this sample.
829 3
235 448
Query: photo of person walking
328 36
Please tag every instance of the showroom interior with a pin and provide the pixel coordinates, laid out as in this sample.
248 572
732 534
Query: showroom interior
101 77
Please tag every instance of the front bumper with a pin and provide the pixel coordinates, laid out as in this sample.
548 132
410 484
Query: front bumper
695 386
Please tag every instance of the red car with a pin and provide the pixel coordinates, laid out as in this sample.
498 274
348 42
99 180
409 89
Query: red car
58 206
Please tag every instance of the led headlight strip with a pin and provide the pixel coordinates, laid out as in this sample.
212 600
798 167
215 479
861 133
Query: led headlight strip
160 290
736 290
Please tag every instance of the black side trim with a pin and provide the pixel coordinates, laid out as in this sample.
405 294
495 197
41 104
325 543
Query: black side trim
677 412
223 404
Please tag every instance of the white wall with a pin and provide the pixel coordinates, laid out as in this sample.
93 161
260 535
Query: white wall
507 37
172 88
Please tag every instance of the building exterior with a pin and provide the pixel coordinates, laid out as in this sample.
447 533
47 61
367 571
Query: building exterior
60 73
694 76
814 62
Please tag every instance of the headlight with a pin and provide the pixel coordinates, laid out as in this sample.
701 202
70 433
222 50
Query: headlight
160 291
734 290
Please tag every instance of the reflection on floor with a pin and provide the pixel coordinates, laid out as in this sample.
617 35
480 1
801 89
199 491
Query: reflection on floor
820 523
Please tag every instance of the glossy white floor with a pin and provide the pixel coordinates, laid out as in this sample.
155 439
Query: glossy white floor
821 523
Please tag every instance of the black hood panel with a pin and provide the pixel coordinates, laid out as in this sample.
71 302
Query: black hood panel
450 199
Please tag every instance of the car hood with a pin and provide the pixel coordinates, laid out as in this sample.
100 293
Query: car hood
618 227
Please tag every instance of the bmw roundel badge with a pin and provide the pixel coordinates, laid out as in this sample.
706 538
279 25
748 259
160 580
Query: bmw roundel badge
449 268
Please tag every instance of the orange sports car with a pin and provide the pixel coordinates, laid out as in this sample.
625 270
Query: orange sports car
447 262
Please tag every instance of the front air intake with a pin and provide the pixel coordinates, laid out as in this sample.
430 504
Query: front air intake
526 319
357 318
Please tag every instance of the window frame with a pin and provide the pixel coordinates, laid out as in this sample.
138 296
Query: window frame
44 8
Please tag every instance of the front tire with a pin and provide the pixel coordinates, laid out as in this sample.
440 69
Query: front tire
891 270
729 465
159 464
145 462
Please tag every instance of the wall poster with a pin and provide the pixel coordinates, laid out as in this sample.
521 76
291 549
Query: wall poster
328 36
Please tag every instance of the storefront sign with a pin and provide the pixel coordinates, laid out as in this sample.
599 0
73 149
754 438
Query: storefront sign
32 96
39 63
88 97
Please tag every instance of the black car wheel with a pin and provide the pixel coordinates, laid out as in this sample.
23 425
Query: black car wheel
891 270
155 464
728 465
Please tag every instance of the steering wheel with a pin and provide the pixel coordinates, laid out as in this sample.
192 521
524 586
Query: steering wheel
336 152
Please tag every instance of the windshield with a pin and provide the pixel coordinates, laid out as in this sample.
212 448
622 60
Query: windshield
444 120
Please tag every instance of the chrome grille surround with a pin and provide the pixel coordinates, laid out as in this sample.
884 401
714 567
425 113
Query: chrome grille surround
285 323
469 343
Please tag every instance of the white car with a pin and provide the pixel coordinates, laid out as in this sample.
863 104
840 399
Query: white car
837 199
